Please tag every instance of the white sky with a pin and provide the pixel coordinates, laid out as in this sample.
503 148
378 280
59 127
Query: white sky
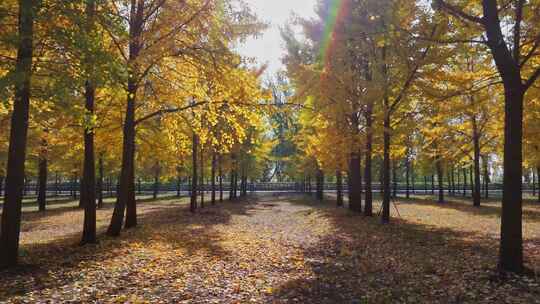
269 47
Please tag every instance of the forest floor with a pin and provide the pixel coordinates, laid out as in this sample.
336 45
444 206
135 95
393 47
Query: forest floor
274 249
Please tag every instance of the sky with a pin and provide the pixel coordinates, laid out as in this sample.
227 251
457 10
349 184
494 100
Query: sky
269 47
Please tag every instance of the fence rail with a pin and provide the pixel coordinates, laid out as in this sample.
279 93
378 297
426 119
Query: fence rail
73 189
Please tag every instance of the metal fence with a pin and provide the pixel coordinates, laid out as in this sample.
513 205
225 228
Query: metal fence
145 188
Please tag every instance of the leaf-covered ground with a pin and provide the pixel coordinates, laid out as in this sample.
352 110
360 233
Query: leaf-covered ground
274 249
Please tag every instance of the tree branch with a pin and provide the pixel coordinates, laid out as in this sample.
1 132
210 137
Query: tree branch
532 79
170 110
458 12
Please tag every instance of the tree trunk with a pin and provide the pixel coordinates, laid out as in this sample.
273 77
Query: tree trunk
458 181
178 182
538 182
452 180
213 181
407 178
471 181
355 183
11 216
339 188
42 183
77 184
511 248
413 178
100 182
220 172
245 184
386 165
320 185
349 190
486 177
242 181
1 185
440 178
201 180
533 183
368 207
25 186
126 196
126 187
156 181
464 182
432 184
448 183
194 177
235 187
110 186
56 184
394 179
89 167
231 182
425 184
476 144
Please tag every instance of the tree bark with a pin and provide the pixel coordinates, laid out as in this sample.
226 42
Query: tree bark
355 183
476 144
88 200
231 182
235 182
126 196
386 165
220 172
413 178
100 182
156 180
320 185
201 180
511 247
178 182
471 181
407 177
56 184
452 180
368 206
533 182
42 183
440 177
11 215
448 183
432 184
486 177
394 179
538 182
194 177
213 181
339 188
464 182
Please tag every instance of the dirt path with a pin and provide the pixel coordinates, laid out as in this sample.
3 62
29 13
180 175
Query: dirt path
270 249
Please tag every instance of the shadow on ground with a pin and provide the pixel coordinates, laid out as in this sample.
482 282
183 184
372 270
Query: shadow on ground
364 261
164 224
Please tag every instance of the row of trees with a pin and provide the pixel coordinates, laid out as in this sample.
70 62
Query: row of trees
441 86
137 87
